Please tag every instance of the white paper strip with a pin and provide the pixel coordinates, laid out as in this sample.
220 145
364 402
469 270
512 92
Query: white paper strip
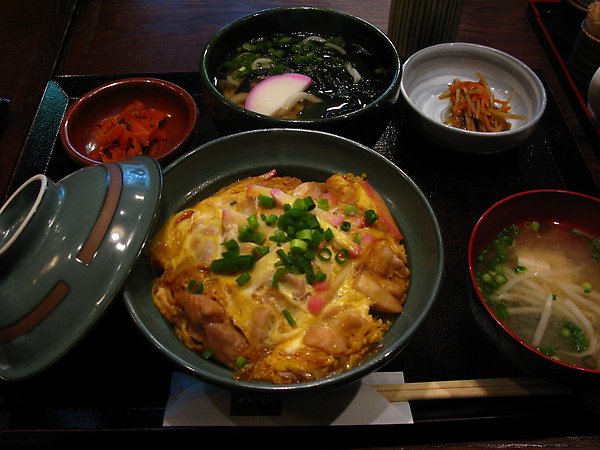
193 403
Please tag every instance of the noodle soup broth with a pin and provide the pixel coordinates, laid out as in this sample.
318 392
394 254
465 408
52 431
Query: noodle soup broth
345 75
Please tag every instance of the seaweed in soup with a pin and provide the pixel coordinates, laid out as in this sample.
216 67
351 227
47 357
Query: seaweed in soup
345 76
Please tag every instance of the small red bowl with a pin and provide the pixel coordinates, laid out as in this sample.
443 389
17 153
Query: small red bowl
81 119
573 209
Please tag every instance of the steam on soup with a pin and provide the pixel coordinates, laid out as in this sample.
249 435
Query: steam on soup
543 282
344 77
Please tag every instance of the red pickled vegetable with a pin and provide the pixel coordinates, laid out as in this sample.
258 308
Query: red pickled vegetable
130 133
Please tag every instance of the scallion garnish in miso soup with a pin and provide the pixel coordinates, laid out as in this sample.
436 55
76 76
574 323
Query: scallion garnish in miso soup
301 76
542 280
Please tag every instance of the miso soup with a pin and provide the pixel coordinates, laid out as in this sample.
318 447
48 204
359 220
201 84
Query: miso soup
542 280
345 76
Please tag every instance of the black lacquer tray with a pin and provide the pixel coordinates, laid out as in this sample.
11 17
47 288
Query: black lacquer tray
557 33
113 386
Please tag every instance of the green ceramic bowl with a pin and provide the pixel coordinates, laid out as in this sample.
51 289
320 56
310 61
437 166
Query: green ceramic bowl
365 125
309 155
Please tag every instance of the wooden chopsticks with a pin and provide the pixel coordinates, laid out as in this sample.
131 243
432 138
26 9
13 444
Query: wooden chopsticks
488 387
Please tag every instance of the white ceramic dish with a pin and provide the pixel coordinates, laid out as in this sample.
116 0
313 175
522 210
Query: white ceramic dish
66 248
594 95
427 73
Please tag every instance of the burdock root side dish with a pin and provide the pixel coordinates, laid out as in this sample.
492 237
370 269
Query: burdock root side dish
282 280
473 107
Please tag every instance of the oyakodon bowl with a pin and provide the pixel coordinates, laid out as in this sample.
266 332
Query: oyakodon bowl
321 155
427 73
569 209
364 125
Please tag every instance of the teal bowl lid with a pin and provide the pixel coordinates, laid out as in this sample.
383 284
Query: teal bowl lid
66 249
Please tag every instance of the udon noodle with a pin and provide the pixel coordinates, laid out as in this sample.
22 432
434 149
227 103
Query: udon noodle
543 282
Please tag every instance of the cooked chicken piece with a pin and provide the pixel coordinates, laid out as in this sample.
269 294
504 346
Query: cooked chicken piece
325 338
222 337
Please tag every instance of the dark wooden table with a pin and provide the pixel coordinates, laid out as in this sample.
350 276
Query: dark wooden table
68 38
43 39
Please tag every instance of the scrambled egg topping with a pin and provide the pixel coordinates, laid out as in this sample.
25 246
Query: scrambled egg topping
282 280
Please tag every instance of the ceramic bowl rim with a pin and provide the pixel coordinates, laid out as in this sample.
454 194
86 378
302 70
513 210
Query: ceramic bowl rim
375 104
481 301
114 84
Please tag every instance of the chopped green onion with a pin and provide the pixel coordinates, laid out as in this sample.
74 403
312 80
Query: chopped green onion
233 265
259 251
595 244
266 201
325 254
487 278
300 204
341 257
345 225
579 339
299 244
285 258
270 220
357 238
249 234
350 210
323 204
253 222
309 203
370 216
328 235
240 362
548 351
500 278
320 276
288 316
206 354
586 286
519 269
500 309
231 245
242 279
279 237
195 287
305 235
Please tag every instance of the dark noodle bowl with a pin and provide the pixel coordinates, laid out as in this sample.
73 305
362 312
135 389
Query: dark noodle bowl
362 117
576 210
